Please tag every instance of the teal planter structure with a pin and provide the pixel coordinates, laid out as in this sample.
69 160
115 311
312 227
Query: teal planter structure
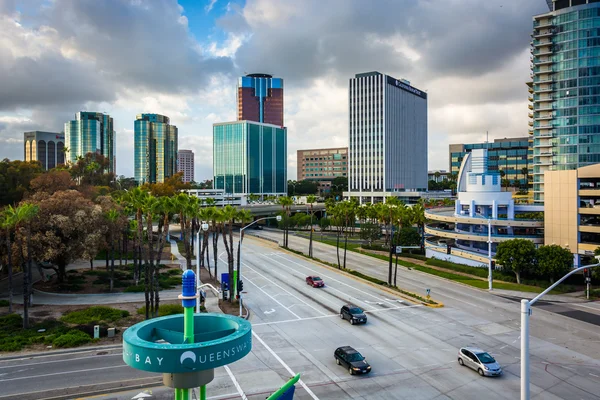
187 348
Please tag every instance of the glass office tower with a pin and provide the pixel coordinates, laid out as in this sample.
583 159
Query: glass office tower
510 155
90 132
260 99
250 157
565 117
155 152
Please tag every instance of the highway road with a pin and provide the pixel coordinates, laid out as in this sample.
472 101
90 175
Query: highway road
296 328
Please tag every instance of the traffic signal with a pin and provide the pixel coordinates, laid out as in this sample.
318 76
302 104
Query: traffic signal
241 285
587 273
448 249
493 264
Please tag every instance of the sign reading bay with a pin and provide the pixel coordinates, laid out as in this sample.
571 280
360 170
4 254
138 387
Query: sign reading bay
157 345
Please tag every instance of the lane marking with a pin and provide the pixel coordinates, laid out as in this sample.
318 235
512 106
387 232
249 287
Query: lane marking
274 299
63 373
291 294
294 320
61 361
333 279
235 383
310 392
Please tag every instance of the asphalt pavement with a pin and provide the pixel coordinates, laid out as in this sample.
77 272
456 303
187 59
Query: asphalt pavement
296 328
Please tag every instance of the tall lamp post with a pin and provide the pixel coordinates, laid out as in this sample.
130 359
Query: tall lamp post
239 275
489 241
525 313
203 227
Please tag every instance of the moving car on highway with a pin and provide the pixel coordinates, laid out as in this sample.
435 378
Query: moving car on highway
353 314
479 360
314 281
348 357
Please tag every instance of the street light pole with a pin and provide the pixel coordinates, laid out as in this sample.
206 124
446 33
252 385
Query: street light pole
239 276
203 227
525 313
489 221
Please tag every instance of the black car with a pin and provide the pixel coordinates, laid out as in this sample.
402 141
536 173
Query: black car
353 314
348 357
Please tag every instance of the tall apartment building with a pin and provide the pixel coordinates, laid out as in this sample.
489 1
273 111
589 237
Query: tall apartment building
322 166
260 99
90 132
155 153
565 91
185 164
509 155
250 158
45 147
387 137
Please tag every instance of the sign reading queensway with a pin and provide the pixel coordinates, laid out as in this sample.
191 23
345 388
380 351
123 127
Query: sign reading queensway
156 345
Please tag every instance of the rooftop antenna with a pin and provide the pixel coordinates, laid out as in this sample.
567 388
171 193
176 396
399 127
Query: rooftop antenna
487 140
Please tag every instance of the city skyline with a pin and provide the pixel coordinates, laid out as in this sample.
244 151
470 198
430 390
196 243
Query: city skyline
475 81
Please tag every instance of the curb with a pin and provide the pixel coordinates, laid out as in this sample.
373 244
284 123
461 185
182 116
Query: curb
384 288
66 351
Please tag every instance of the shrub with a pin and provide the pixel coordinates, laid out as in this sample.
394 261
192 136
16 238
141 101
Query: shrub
72 338
135 288
3 303
164 309
95 315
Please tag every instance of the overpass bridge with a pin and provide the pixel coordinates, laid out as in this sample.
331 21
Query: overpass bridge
268 210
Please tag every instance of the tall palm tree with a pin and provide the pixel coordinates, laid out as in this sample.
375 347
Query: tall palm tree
112 216
207 215
348 211
311 199
25 213
217 228
8 221
243 216
229 215
286 202
334 210
418 215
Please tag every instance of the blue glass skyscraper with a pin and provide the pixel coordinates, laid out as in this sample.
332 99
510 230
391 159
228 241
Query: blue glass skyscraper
566 89
90 132
155 151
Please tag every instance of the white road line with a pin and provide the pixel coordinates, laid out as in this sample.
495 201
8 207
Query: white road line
594 375
333 279
581 305
310 392
274 299
63 373
288 292
61 361
235 383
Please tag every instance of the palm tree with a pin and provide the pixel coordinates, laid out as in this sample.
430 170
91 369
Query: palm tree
112 216
8 221
525 172
418 215
332 208
25 214
217 227
229 215
243 216
349 213
286 202
206 214
311 199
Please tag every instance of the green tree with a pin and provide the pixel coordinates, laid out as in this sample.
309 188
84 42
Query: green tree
407 236
517 256
370 232
112 217
8 222
418 215
15 179
229 215
244 217
553 262
286 203
311 200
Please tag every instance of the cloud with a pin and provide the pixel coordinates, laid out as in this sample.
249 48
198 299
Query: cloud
210 5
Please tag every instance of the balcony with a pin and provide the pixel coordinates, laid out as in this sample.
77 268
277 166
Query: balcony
544 33
547 60
590 210
542 52
545 107
543 42
543 24
530 115
541 145
530 107
546 89
547 79
530 123
544 117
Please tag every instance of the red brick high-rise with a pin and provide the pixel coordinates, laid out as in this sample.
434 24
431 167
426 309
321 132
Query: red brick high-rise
260 99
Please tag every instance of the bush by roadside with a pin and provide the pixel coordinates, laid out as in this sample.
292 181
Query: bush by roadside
94 315
164 309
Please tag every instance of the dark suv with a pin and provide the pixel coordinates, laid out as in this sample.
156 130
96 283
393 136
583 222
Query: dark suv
353 314
348 357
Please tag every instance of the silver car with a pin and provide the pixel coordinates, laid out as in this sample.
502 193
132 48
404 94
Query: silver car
479 360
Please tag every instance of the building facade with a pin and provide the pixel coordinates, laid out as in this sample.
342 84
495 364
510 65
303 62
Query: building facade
260 99
565 91
185 164
156 145
250 158
387 137
46 147
90 132
438 176
509 155
322 166
572 210
482 213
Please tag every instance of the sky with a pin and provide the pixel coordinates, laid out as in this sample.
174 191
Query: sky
182 59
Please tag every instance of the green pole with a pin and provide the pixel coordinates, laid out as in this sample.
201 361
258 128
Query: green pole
188 287
285 387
